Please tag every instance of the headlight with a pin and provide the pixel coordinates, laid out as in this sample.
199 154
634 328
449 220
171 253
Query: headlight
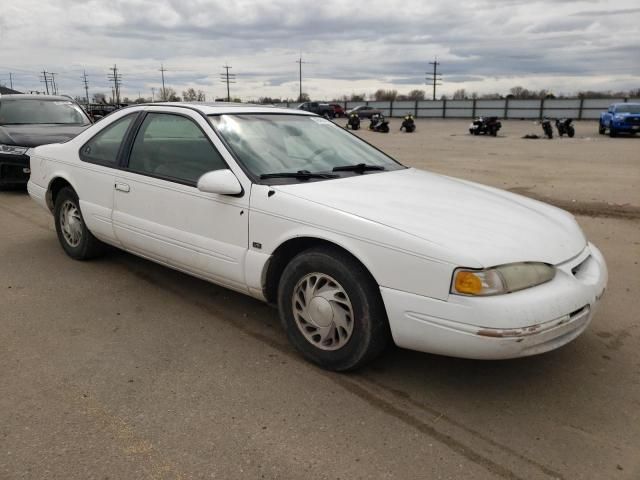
13 150
502 279
618 118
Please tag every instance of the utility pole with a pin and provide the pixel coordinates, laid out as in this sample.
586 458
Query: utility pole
86 86
228 78
11 80
300 62
116 78
153 95
434 77
163 93
54 87
45 80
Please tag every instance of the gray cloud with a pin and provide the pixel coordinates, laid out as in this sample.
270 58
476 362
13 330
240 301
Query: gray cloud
350 46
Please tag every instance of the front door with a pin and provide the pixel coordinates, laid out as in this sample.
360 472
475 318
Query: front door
159 212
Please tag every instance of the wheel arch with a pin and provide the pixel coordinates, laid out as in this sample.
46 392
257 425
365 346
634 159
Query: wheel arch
291 247
57 183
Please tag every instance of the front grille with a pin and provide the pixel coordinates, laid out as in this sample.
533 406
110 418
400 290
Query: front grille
632 120
13 173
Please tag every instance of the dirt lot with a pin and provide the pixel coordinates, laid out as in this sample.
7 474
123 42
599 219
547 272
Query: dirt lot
120 368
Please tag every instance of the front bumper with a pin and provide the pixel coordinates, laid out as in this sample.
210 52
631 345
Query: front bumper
519 324
14 170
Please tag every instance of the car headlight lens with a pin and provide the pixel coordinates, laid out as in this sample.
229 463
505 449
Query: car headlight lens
13 150
503 279
618 118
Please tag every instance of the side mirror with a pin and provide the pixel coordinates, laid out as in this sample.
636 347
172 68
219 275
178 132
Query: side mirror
222 182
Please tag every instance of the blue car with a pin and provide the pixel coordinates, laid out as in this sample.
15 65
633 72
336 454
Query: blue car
620 118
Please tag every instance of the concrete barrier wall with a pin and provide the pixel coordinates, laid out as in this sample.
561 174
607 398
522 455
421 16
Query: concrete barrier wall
576 108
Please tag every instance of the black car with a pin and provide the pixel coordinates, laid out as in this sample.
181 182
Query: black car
29 121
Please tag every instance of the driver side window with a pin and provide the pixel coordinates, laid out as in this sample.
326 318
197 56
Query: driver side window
173 147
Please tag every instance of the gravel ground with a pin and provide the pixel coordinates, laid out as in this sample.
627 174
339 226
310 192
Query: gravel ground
120 368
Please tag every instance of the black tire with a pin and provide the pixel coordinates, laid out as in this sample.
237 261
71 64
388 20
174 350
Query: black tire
612 132
370 328
571 132
87 246
601 129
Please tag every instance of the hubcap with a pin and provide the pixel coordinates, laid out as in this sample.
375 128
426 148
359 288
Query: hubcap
71 223
322 311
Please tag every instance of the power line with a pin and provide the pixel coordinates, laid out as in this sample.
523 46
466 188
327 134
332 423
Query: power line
163 94
300 62
45 80
86 85
228 78
434 77
116 78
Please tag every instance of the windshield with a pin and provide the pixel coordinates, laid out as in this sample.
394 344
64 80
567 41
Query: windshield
272 143
40 111
629 108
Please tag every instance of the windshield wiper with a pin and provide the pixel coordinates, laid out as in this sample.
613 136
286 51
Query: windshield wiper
300 175
358 168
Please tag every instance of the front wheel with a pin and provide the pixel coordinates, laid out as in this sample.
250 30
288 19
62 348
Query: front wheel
571 132
74 236
331 310
612 131
601 129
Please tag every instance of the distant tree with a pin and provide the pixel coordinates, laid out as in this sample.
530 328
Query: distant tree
416 95
443 97
474 95
491 96
99 98
304 97
142 100
168 94
236 100
382 95
126 100
269 100
201 96
356 97
189 95
460 94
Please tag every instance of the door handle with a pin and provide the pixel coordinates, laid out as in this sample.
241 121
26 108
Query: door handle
123 187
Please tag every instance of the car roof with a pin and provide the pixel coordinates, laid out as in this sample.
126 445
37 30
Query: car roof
26 96
218 108
626 103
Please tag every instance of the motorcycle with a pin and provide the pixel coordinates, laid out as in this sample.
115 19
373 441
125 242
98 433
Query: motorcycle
485 126
379 124
564 126
408 124
353 122
546 127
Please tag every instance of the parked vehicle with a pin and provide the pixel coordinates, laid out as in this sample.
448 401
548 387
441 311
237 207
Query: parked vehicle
30 120
378 123
322 109
338 110
565 127
620 118
354 248
546 127
353 122
364 111
485 126
408 123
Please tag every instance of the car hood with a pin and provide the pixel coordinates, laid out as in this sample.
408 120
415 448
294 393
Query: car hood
36 135
492 226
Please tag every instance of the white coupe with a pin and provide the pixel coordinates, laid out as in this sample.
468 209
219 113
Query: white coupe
354 248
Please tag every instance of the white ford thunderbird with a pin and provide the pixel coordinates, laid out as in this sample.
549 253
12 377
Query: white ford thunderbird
354 248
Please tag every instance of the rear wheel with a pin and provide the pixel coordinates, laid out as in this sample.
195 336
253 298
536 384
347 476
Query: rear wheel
74 236
331 309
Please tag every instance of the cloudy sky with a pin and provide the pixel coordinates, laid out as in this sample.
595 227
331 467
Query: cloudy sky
350 46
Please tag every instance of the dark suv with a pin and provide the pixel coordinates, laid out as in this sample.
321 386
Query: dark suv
29 121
